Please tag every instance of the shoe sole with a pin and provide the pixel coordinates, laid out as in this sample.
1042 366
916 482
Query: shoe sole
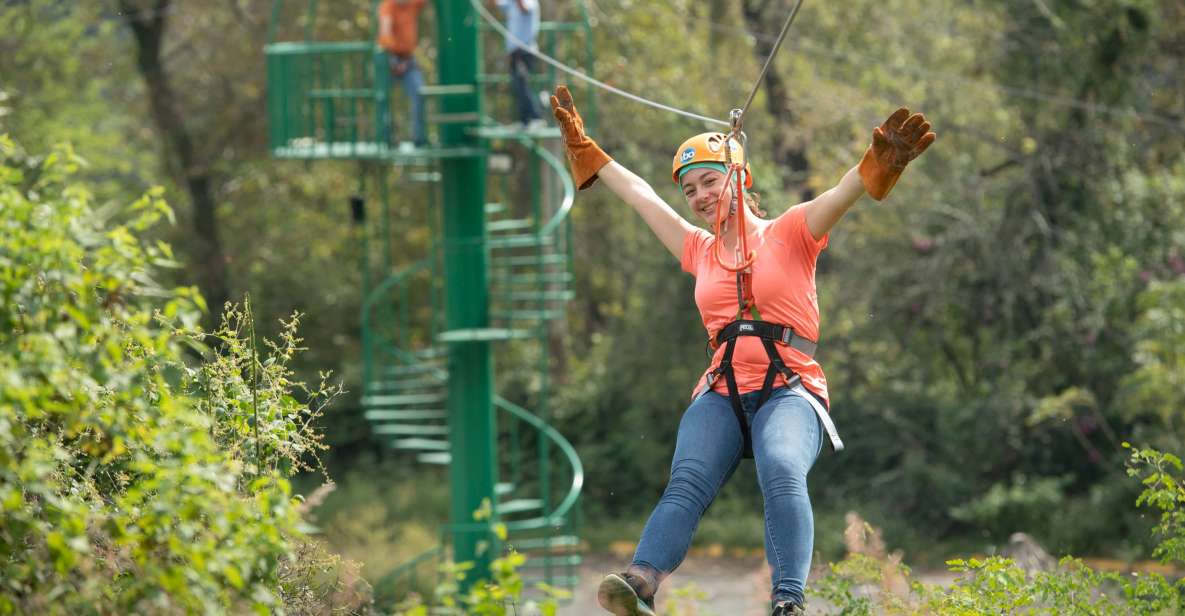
616 595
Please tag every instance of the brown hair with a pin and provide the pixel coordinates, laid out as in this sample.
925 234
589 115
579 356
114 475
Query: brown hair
753 201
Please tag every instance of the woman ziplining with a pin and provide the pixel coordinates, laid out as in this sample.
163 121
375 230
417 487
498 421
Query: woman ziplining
763 395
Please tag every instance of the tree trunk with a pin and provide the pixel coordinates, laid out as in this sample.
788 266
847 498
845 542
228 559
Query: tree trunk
789 152
148 29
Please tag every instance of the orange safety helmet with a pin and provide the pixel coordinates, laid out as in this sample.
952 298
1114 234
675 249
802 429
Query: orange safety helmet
708 148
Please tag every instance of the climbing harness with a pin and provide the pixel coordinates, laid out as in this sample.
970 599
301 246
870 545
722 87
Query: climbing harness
770 335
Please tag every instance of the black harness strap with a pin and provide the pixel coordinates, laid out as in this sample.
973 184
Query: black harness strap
769 334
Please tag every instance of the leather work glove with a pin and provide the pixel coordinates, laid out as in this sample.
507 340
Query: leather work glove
896 142
585 158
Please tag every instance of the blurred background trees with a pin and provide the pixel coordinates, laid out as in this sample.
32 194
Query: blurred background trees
992 333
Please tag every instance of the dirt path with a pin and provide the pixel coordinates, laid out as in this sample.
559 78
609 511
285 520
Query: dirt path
702 586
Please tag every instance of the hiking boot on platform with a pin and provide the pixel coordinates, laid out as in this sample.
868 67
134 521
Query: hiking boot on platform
788 608
624 595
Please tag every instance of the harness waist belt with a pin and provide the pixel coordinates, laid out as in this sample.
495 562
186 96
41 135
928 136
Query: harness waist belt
768 331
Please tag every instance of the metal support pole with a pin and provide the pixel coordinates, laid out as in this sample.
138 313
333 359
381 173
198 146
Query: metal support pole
470 406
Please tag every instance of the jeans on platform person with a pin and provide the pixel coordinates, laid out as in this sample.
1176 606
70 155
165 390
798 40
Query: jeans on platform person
526 105
787 438
405 71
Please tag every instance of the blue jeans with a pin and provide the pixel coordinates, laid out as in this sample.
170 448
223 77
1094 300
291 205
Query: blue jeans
521 65
405 71
787 438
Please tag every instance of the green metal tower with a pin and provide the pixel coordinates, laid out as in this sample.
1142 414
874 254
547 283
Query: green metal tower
495 277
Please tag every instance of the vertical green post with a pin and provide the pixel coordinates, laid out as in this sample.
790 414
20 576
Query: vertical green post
470 404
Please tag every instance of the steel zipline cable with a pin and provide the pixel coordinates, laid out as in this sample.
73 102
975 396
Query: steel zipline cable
770 58
497 25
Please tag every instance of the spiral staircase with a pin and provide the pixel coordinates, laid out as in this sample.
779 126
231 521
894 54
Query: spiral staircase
406 376
332 100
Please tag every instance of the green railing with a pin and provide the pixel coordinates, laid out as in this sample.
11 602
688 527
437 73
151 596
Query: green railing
386 313
327 100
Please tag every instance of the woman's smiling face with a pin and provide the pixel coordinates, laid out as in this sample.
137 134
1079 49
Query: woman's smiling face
702 188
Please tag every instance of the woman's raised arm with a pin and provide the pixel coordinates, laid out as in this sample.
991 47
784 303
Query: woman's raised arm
589 162
900 139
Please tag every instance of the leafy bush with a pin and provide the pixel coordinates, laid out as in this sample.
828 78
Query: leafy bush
501 595
130 480
869 582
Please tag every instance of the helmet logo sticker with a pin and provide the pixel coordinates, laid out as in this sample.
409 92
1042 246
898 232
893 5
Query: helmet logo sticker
687 155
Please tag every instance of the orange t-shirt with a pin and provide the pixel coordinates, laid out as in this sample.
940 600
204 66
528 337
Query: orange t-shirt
404 26
783 287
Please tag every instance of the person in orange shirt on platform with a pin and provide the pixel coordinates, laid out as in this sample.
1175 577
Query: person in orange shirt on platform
398 35
763 394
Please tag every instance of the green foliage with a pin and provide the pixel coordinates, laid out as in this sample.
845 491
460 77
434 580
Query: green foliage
1161 476
258 417
502 594
997 585
124 484
1008 506
1157 385
870 583
683 600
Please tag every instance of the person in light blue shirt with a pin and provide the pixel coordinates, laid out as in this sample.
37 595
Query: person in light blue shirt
522 20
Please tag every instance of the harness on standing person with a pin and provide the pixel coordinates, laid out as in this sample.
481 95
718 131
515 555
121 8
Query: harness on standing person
771 334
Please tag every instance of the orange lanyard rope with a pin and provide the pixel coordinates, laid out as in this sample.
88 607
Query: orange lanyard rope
743 257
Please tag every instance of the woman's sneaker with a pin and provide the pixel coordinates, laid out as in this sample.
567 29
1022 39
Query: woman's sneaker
618 593
786 608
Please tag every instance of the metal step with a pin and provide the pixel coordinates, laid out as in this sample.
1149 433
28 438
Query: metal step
432 352
398 400
529 260
404 380
539 543
404 414
534 296
519 241
464 117
413 369
520 505
561 581
390 385
341 93
534 279
484 334
514 131
435 457
423 444
452 89
526 315
509 224
424 176
428 155
557 560
392 429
